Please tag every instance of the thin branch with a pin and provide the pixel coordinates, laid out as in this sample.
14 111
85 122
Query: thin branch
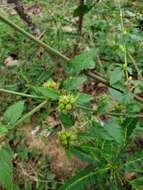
125 115
116 114
140 99
95 76
102 79
105 81
20 94
49 49
136 67
36 109
18 6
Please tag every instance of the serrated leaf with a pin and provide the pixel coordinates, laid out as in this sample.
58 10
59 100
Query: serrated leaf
67 119
6 168
114 130
74 82
124 98
14 112
81 62
83 98
116 75
99 131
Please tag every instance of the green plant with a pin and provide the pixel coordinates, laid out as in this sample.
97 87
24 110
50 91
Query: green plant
104 133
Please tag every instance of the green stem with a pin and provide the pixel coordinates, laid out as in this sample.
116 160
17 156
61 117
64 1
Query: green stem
21 94
49 49
125 115
95 76
135 66
131 162
111 113
36 109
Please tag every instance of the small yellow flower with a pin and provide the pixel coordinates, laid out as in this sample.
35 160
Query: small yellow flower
103 98
66 103
119 107
51 85
67 138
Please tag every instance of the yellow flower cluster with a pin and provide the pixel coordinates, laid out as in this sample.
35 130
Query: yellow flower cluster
119 107
67 138
51 85
66 103
103 98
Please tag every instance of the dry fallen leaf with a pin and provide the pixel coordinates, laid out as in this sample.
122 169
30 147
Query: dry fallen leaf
130 176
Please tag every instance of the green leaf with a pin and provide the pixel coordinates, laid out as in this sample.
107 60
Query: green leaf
14 112
6 168
3 129
74 82
116 94
95 132
134 160
137 183
49 93
129 125
98 131
84 156
81 62
83 179
138 86
67 119
83 98
125 98
114 130
116 75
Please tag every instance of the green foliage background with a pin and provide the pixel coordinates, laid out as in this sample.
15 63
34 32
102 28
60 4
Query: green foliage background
109 133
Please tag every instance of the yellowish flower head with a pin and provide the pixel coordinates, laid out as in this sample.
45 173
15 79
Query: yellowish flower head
66 103
51 85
